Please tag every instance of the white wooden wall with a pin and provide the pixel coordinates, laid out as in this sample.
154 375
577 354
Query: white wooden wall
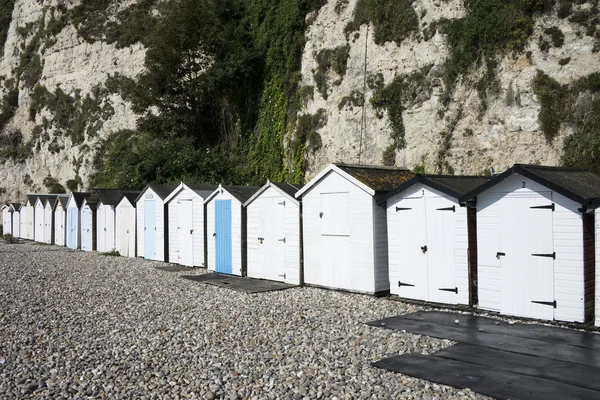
236 232
60 226
459 239
23 223
72 204
197 224
6 221
90 222
149 194
291 257
16 224
567 228
48 223
125 228
105 230
38 230
355 266
30 210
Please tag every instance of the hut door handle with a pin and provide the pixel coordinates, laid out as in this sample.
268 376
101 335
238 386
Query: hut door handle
424 249
215 234
499 254
191 231
260 240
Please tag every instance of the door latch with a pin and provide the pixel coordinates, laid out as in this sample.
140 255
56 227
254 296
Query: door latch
500 254
424 249
282 240
260 240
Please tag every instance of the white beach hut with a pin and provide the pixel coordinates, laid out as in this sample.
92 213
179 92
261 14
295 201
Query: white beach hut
74 219
28 217
105 202
125 226
344 230
16 219
534 225
432 247
38 230
6 220
226 229
60 219
152 222
273 233
186 224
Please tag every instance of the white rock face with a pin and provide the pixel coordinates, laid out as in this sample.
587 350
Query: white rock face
74 65
506 133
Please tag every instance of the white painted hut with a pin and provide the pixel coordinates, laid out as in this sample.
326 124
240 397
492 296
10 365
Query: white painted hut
226 229
273 233
60 219
74 219
28 217
344 230
534 226
6 220
105 202
152 222
186 224
432 246
125 226
16 219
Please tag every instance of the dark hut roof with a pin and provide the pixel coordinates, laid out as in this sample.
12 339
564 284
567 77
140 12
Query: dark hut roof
45 198
203 190
131 196
289 188
16 206
80 197
577 184
162 191
378 178
62 199
242 193
455 186
109 197
32 198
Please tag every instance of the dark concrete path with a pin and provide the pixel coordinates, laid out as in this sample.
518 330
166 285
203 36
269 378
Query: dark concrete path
239 284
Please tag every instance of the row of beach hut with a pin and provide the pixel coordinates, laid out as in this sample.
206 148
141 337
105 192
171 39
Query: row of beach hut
522 243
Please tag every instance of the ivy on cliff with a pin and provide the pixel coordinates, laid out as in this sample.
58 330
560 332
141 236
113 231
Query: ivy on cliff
6 9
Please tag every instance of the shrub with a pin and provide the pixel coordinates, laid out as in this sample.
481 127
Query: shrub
552 96
330 59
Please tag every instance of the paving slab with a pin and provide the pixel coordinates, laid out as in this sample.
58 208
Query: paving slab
174 268
507 342
491 382
239 284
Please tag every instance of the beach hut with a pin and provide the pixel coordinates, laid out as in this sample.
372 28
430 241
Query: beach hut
344 230
39 220
59 209
105 201
226 228
125 225
152 222
186 224
88 225
28 217
74 219
534 226
432 248
273 233
6 220
16 219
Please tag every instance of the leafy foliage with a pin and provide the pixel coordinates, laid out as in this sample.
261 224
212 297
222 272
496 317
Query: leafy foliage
327 60
53 186
393 21
6 9
552 96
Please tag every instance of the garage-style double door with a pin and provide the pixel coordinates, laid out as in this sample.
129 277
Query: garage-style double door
526 255
425 267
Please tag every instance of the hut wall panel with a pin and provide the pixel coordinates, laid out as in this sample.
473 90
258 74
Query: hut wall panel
382 276
140 225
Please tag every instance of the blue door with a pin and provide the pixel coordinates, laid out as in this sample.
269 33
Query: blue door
223 236
72 228
149 229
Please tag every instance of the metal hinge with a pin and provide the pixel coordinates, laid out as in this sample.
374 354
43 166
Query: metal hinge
499 253
547 207
282 240
402 209
551 255
400 284
546 303
282 203
455 290
282 276
453 209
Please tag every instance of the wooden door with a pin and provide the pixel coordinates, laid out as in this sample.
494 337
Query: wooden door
72 214
48 225
38 234
527 256
441 245
185 232
109 226
336 260
272 237
409 278
86 228
223 238
149 229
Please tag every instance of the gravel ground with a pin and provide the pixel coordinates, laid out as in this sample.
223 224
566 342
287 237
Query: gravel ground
86 325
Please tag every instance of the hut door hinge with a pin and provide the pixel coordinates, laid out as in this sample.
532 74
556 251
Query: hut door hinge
551 255
546 303
546 207
282 203
402 209
455 290
453 209
500 254
400 284
282 276
282 240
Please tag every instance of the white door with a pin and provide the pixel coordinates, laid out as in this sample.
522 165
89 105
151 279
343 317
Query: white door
409 278
109 225
101 229
272 234
441 234
186 232
527 256
335 218
48 225
39 224
125 240
16 224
